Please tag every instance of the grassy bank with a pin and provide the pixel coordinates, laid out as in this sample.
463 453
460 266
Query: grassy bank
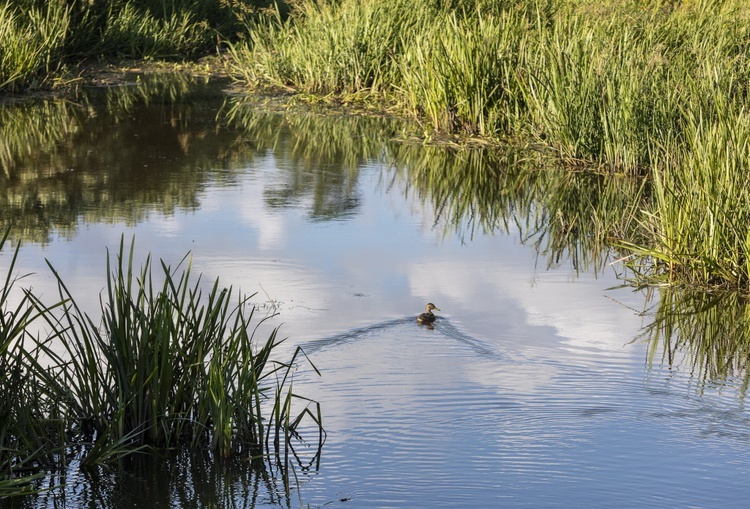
603 82
165 367
652 88
41 38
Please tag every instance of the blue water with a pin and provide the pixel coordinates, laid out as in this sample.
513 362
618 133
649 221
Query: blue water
422 418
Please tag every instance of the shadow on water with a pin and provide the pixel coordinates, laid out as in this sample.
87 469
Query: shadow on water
185 479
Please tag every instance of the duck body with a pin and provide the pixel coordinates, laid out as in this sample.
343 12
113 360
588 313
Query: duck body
427 316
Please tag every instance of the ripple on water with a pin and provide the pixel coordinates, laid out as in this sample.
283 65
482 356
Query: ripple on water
425 418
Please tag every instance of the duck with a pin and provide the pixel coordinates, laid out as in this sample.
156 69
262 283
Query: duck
427 316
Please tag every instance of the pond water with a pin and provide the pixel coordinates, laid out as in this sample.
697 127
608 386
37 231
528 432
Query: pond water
544 382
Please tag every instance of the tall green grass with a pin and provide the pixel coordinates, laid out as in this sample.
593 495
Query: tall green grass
166 367
596 81
697 232
32 42
460 74
31 436
329 47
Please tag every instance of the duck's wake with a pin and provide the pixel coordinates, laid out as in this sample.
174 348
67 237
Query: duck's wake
441 326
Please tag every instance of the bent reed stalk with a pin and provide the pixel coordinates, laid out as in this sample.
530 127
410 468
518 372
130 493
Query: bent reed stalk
167 367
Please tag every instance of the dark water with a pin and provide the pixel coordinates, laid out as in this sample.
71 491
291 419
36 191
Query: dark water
542 384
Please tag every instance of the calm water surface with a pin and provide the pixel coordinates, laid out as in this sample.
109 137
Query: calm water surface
537 387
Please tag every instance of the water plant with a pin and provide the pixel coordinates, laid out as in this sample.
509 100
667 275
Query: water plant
566 215
328 47
697 231
459 75
594 81
43 41
167 367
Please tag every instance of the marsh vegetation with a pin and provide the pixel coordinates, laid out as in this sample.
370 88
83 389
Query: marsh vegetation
617 133
655 89
44 41
165 366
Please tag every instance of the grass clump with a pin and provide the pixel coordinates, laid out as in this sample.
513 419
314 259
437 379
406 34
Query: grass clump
697 232
329 47
134 32
460 74
165 368
30 433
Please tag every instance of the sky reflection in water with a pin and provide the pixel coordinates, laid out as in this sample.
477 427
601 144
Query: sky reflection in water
529 392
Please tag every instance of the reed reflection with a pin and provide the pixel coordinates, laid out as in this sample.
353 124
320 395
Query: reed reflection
121 153
184 478
118 154
705 334
564 214
112 155
318 157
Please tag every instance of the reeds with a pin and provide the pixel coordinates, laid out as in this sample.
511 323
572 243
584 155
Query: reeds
166 367
30 435
460 73
597 82
329 47
698 232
